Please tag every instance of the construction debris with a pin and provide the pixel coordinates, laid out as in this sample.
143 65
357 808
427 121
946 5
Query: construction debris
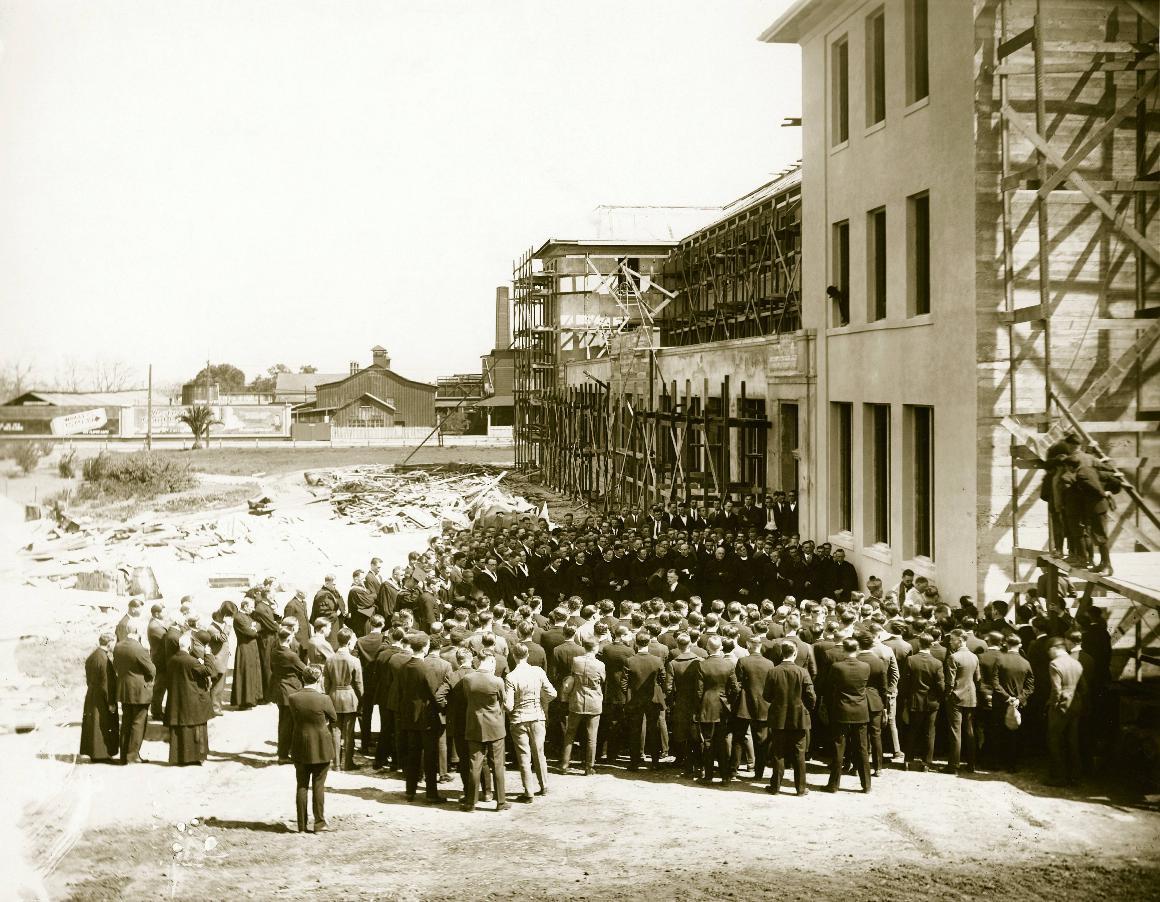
392 500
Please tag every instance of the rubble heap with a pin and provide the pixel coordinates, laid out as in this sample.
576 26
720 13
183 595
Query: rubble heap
392 500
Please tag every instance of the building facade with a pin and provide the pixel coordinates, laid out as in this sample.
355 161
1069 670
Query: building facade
374 396
962 314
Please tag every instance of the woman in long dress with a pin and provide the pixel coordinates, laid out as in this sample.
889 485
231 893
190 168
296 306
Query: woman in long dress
219 644
187 705
248 689
100 726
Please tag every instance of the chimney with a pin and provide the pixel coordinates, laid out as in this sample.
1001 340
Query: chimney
380 357
503 319
353 367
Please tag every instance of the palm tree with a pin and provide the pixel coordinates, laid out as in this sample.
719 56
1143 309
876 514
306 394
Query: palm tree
199 418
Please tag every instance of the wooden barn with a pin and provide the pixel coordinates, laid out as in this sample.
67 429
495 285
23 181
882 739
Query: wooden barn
373 396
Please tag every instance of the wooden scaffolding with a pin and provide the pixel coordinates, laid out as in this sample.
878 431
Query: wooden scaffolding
1079 144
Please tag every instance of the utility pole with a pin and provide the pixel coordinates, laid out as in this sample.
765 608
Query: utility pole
149 414
207 407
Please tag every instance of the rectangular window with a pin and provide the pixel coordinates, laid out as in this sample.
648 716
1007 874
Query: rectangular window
918 301
877 443
790 462
843 457
840 91
840 314
917 52
920 423
875 68
364 412
876 264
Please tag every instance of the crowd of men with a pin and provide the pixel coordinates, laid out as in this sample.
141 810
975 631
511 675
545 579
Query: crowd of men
713 641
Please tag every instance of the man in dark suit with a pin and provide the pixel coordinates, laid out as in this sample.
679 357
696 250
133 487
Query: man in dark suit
1012 685
717 692
789 696
421 716
390 660
613 724
312 747
875 697
135 675
456 711
329 604
752 711
360 603
367 650
849 712
681 678
155 634
296 608
288 670
643 682
390 588
920 694
484 699
984 716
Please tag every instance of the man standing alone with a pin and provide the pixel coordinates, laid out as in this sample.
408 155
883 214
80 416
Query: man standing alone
526 689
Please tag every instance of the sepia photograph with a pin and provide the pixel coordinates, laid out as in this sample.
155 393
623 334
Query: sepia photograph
605 450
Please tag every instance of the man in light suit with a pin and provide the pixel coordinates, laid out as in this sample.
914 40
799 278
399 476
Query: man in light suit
1065 708
483 695
789 695
962 678
135 675
585 693
527 687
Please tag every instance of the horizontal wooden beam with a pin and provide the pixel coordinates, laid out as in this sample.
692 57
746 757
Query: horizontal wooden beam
1145 64
1125 426
1022 315
1010 45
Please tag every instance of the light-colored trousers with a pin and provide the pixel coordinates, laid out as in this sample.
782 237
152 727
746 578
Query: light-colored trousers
529 742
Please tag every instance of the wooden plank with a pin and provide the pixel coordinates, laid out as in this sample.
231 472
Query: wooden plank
1080 68
1081 183
1020 40
1022 315
1097 137
1147 12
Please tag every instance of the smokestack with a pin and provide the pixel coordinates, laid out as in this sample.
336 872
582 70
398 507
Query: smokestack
353 367
380 357
503 318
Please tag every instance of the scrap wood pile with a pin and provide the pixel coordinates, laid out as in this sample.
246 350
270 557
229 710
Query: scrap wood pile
393 499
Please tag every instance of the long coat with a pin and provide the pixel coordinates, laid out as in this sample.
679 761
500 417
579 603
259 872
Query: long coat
314 717
135 673
100 738
248 688
187 703
287 672
343 681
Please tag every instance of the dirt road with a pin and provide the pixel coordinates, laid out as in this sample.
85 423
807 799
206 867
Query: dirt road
614 835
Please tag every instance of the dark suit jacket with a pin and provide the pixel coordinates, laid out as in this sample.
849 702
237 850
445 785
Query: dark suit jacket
135 673
484 706
286 670
644 681
847 691
313 715
752 671
876 684
922 687
456 711
419 704
188 702
562 660
789 695
614 657
296 608
717 688
1013 678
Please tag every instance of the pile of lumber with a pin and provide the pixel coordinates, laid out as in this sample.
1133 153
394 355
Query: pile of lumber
392 500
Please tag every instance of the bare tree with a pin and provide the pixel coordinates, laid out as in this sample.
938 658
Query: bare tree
16 377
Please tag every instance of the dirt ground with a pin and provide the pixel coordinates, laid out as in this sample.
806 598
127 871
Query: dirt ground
225 830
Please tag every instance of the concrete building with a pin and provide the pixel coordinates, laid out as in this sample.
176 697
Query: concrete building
975 315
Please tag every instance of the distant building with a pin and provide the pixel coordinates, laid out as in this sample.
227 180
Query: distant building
301 388
68 412
196 392
499 367
372 396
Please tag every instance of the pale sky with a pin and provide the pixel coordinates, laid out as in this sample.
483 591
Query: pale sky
294 182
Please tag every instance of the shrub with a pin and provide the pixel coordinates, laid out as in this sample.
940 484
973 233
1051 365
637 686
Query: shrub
28 455
66 466
140 475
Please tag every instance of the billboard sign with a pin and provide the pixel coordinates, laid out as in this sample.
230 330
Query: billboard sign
76 423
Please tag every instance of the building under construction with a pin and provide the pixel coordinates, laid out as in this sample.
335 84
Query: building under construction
964 268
